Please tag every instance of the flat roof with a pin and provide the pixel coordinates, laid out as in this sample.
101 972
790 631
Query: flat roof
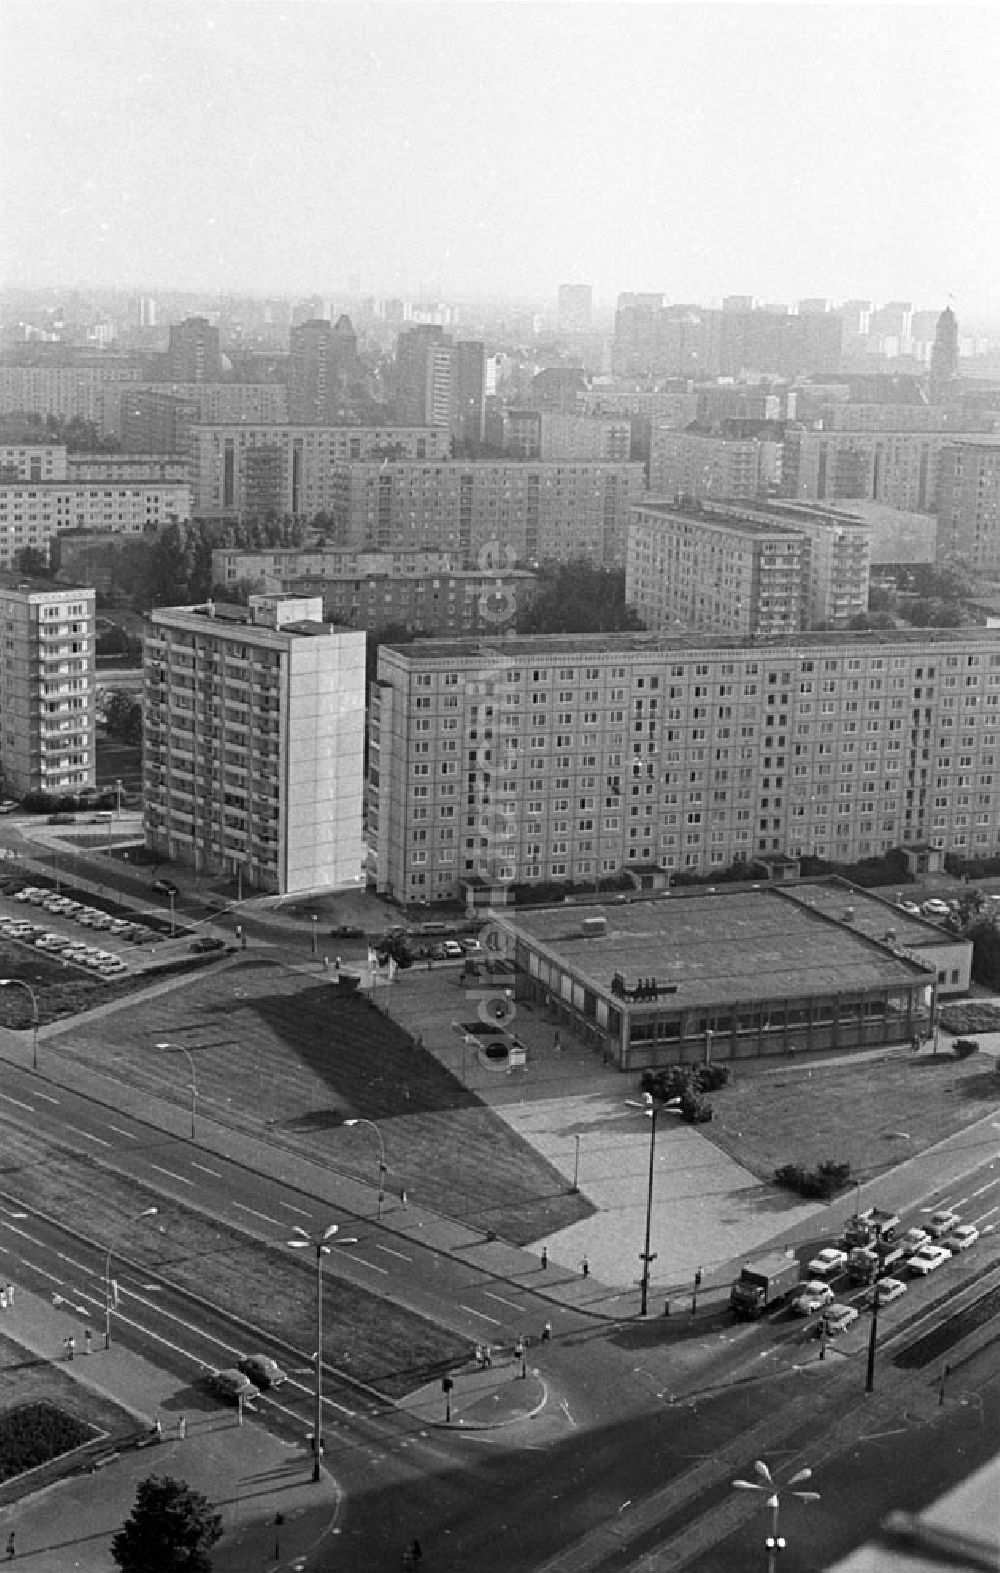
718 948
871 915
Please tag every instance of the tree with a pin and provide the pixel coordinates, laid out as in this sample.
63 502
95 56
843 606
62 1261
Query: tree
172 1529
32 563
578 598
123 717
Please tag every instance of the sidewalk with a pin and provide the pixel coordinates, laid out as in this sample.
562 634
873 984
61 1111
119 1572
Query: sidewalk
248 1475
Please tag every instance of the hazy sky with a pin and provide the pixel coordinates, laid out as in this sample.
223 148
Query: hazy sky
701 150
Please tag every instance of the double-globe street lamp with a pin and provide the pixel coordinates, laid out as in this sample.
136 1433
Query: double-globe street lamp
383 1167
766 1482
148 1212
318 1243
19 983
178 1048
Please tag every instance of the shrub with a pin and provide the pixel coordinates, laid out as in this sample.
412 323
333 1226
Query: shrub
826 1180
679 1081
695 1109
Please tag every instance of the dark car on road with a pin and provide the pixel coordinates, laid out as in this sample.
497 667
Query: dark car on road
165 887
231 1384
207 942
262 1371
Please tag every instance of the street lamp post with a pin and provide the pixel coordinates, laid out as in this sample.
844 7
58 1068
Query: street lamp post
178 1048
315 925
872 1340
317 1243
647 1256
576 1164
7 983
149 1212
118 793
172 894
382 1165
765 1482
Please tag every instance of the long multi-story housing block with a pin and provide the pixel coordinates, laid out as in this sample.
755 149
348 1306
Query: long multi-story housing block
576 757
86 392
246 469
157 417
32 513
537 509
47 688
590 437
696 464
899 468
253 743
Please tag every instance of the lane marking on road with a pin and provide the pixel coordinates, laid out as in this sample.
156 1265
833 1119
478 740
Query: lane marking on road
180 1178
52 1277
390 1252
45 1097
206 1170
987 1187
493 1320
129 1135
488 1295
241 1207
362 1262
80 1266
88 1135
5 1098
302 1211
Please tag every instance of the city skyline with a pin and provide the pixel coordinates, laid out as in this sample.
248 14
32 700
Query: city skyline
787 152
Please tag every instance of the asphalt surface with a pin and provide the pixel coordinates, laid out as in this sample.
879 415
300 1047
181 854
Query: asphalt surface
574 1096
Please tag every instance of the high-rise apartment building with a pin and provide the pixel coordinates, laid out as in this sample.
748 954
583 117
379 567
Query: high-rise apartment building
537 509
572 757
83 391
311 390
193 353
969 506
253 743
944 359
231 463
898 468
47 688
441 381
714 571
574 308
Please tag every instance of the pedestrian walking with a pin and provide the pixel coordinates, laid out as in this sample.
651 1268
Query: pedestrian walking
182 1427
70 1348
402 1197
10 1294
158 1429
479 1356
88 1340
487 1356
545 1256
585 1268
11 1547
3 1299
546 1332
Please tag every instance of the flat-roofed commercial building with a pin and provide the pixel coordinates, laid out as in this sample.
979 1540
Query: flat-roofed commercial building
733 974
238 469
47 688
576 757
253 743
536 509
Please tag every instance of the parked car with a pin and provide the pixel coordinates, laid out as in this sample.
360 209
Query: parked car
838 1318
909 906
935 908
928 1259
207 942
942 1223
231 1384
452 949
165 887
961 1238
262 1371
913 1239
812 1296
888 1289
830 1260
